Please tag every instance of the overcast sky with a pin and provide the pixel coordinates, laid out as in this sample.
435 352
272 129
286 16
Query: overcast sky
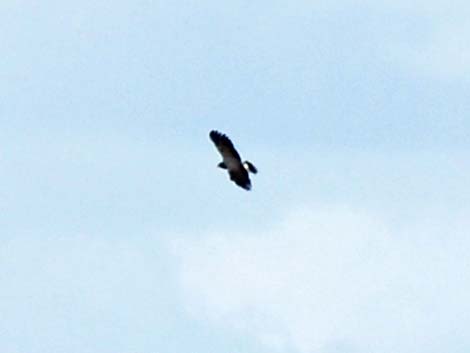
119 234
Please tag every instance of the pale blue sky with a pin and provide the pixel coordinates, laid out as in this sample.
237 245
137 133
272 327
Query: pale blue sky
120 235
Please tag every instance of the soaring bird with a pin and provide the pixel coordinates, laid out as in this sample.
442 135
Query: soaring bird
231 160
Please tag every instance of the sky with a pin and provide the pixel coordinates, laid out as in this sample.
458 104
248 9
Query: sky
120 235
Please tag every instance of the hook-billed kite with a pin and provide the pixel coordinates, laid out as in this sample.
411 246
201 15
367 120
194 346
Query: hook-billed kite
231 160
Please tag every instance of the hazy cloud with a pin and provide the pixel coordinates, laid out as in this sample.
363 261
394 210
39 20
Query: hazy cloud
334 280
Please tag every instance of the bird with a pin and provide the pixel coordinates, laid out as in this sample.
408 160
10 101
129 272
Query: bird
231 161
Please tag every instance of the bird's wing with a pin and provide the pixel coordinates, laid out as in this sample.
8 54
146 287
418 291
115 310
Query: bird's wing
240 177
226 148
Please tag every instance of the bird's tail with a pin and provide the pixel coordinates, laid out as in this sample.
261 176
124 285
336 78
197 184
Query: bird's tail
250 167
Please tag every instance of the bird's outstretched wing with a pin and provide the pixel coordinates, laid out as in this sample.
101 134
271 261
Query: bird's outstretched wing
241 178
224 146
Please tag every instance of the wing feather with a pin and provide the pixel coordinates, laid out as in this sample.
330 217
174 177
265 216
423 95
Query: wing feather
225 147
240 177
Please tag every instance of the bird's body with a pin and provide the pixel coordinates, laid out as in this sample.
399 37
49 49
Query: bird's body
238 170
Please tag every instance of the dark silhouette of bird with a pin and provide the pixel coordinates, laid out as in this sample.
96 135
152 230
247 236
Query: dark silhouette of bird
231 161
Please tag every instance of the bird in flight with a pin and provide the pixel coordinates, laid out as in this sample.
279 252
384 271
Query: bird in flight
238 170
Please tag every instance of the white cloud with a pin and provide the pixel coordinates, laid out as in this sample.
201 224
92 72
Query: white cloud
334 280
